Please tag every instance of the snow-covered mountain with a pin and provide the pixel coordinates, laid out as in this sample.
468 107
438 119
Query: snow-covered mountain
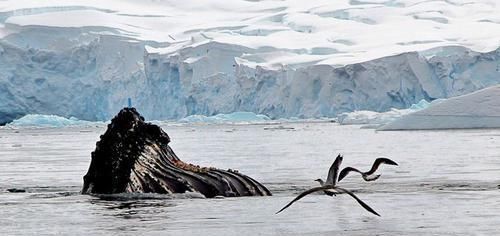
84 58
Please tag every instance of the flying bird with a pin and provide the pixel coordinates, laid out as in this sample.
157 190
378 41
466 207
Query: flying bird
329 187
368 176
331 179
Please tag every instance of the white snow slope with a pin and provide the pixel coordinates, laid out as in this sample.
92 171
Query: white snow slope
84 58
480 109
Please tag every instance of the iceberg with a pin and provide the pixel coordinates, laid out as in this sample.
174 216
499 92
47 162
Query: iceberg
235 117
480 109
37 120
371 117
421 105
376 119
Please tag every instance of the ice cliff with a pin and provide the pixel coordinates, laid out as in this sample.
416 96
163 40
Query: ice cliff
93 80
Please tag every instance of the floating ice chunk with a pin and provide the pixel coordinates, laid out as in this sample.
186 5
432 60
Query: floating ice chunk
420 105
235 117
242 117
480 109
379 118
36 120
368 117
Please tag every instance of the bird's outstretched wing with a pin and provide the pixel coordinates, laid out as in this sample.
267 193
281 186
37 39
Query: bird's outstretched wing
331 179
303 194
378 162
363 204
346 171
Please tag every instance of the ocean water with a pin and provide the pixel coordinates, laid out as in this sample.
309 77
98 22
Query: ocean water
447 183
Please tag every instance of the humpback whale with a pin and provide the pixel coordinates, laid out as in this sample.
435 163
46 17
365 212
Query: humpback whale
368 176
329 187
134 156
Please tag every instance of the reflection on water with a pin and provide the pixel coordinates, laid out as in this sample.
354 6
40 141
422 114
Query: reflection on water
447 183
144 210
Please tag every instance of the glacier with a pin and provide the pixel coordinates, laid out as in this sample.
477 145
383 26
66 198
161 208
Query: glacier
480 109
279 59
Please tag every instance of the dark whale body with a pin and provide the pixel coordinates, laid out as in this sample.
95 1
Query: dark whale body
134 156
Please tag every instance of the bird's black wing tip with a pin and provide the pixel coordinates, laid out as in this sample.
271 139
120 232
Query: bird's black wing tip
280 211
388 161
369 209
341 177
